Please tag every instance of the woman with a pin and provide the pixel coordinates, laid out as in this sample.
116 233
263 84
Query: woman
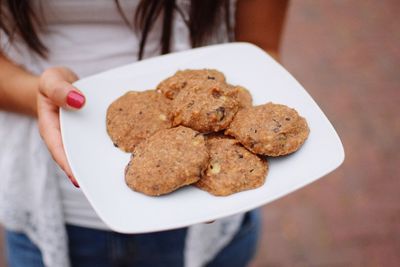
48 222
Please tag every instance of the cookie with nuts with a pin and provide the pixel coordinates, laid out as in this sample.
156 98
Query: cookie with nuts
166 161
269 129
207 106
232 168
241 95
184 79
135 116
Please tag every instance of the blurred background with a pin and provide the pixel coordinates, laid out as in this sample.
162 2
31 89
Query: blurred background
347 55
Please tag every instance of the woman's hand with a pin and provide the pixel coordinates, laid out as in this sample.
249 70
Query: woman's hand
56 90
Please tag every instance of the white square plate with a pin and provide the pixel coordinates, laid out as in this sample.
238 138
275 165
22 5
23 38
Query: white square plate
99 166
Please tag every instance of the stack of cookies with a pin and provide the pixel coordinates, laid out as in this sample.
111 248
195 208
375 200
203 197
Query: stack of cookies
196 128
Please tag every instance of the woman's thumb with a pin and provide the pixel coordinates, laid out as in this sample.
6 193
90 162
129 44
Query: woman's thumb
55 84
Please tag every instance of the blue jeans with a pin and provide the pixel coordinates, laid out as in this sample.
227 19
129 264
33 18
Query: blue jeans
90 247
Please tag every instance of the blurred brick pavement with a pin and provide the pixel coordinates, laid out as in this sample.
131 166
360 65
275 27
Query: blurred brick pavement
347 55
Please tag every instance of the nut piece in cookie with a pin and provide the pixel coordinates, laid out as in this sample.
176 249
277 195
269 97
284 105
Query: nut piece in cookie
207 106
182 79
232 168
269 129
135 116
166 161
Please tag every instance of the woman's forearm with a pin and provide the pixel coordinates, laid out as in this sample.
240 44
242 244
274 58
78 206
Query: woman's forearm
261 22
18 88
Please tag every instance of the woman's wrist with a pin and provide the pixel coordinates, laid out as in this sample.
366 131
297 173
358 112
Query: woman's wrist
34 84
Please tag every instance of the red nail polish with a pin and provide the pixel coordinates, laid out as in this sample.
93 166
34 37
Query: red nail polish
75 99
75 183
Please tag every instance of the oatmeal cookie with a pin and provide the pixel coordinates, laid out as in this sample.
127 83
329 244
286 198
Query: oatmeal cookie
232 168
241 95
208 106
183 79
135 116
166 161
269 129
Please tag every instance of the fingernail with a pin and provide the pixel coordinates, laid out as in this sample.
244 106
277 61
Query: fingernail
75 99
75 184
73 181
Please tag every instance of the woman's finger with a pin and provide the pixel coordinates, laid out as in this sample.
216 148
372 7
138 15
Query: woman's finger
55 84
49 127
63 94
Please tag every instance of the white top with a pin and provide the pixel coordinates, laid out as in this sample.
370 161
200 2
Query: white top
35 195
